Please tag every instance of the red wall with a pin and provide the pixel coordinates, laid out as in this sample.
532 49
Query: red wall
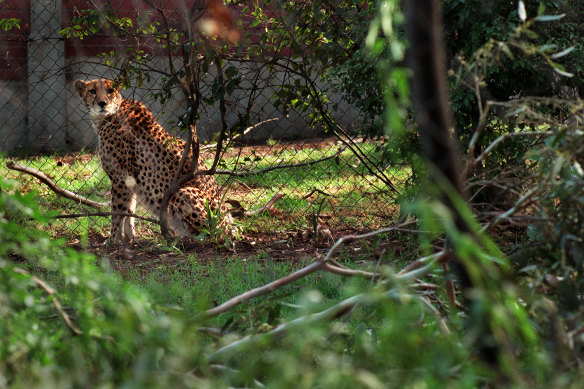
13 43
100 43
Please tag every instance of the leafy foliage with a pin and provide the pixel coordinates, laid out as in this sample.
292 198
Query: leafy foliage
115 333
9 23
510 65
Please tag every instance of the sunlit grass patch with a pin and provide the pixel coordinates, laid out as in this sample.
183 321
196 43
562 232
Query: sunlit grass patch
339 189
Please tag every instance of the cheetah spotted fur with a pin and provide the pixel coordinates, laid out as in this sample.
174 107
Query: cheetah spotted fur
141 157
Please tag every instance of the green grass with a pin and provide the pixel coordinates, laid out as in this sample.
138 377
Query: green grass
194 285
341 187
342 190
188 284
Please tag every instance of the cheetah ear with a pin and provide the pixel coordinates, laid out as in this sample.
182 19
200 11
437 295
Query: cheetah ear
80 87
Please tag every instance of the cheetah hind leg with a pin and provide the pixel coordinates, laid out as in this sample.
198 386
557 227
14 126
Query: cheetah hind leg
187 212
193 214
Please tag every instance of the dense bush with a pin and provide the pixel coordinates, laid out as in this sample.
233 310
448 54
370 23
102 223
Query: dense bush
472 25
114 334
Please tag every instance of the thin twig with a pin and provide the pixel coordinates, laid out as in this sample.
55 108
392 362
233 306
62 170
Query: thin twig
223 112
275 167
473 162
266 206
337 130
240 135
315 190
347 238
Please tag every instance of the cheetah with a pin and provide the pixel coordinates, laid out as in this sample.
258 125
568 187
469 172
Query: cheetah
141 157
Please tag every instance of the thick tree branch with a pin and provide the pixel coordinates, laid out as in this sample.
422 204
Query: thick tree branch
54 187
319 264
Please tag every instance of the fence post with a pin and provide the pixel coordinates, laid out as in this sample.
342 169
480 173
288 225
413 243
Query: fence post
47 125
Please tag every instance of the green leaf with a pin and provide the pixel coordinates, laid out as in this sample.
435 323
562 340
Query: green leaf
531 34
563 72
563 53
373 33
546 48
505 48
549 18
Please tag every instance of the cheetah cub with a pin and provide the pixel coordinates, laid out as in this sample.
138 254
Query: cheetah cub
140 158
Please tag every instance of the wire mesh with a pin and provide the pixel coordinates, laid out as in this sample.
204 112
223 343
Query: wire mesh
46 127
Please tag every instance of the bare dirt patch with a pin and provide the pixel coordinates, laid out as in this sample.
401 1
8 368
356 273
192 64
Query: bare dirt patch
145 256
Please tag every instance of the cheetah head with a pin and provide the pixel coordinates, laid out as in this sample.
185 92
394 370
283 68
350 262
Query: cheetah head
99 96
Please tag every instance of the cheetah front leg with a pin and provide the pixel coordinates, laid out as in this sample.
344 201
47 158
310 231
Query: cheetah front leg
128 230
123 202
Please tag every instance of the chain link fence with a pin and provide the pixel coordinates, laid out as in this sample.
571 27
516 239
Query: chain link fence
322 177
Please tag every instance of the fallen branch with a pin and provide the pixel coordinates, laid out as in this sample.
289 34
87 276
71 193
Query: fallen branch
216 332
421 261
260 291
516 207
337 310
328 314
51 292
336 268
54 187
351 272
319 264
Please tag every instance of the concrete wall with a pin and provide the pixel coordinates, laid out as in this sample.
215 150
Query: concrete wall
42 113
292 125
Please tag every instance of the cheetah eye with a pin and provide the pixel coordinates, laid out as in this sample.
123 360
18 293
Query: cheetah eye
110 91
92 91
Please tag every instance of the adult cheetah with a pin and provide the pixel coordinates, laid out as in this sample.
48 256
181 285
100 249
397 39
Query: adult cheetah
141 157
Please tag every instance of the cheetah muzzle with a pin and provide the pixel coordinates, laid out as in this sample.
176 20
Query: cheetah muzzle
141 157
